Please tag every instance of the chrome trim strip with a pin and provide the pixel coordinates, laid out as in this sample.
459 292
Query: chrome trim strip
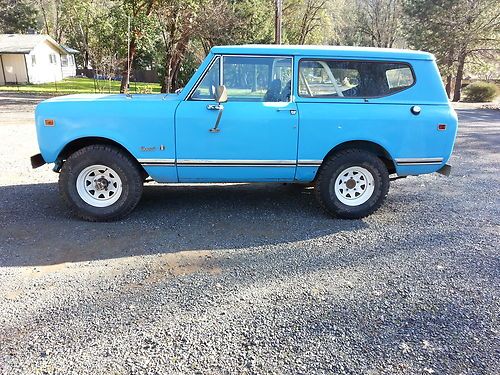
156 161
268 163
427 163
221 70
188 162
231 162
309 163
158 164
256 55
418 161
239 165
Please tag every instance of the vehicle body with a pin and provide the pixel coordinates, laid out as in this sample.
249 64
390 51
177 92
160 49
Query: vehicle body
289 110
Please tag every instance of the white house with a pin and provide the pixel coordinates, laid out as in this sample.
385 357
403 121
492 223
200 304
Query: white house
33 58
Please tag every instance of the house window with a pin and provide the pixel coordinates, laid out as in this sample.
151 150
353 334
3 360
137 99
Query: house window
71 60
33 60
53 58
64 61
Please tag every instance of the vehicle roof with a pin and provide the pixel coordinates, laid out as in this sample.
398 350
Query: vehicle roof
324 51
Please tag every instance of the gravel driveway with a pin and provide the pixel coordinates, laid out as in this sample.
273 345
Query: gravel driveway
252 279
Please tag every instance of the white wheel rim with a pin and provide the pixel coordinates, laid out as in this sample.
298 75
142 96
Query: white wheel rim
99 186
354 186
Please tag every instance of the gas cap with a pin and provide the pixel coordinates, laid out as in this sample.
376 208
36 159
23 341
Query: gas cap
415 110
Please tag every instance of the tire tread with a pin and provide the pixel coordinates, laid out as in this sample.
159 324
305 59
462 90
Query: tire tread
115 154
330 164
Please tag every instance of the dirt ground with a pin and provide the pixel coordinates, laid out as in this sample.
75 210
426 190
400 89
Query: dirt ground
252 279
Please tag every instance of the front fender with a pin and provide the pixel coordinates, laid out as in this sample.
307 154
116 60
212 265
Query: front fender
143 126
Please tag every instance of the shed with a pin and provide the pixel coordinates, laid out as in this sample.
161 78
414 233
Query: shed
34 58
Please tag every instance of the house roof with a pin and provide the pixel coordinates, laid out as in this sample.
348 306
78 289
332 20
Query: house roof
325 51
24 43
69 49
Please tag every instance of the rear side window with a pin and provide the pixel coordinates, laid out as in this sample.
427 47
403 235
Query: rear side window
399 77
352 79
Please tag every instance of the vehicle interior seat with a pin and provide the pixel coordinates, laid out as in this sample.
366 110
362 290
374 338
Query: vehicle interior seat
286 93
273 93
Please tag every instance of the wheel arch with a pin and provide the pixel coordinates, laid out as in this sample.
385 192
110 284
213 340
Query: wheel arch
79 143
369 146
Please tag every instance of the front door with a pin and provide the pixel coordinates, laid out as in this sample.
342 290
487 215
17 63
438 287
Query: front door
256 138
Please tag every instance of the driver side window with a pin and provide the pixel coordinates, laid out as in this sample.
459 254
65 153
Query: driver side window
257 79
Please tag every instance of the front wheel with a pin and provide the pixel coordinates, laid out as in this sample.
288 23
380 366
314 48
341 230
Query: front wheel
100 183
352 184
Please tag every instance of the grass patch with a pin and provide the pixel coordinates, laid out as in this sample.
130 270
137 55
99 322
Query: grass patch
82 86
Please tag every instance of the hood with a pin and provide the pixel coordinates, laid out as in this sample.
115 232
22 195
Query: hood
113 98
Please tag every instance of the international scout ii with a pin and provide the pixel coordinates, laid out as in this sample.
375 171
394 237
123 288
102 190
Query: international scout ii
344 119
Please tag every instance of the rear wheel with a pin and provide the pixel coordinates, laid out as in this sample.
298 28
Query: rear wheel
352 184
100 183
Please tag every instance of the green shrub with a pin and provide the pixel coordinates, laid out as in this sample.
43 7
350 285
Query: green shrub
480 92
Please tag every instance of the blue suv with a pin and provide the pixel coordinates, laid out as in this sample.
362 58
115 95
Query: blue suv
345 119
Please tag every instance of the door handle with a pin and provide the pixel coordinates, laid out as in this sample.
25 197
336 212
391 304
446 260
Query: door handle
215 107
292 111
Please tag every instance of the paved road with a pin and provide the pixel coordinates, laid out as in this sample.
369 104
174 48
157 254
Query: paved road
252 279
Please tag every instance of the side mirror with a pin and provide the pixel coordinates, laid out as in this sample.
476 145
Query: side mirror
221 94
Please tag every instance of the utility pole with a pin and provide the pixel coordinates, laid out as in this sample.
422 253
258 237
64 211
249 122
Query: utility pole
128 56
277 21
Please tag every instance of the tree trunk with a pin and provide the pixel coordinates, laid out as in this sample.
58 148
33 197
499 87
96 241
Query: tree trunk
172 64
86 59
126 72
460 75
166 82
44 14
448 85
175 76
449 67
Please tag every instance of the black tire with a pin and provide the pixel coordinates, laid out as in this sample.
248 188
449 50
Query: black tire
109 156
340 162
